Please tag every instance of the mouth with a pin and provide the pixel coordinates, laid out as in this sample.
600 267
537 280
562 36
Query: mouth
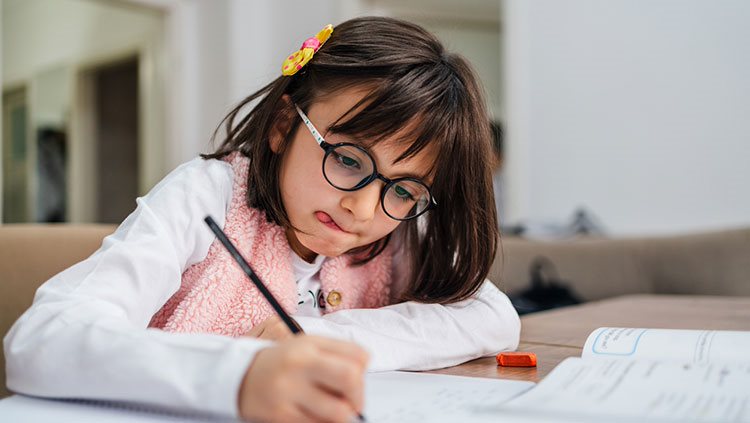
328 221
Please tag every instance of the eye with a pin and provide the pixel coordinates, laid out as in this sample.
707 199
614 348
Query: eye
347 161
403 193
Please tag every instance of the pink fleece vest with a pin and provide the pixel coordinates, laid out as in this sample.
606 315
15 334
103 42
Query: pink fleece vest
217 297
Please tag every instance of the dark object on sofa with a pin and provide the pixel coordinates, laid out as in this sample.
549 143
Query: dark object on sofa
708 263
546 290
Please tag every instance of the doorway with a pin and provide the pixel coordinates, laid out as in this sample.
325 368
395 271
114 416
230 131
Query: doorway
15 157
115 96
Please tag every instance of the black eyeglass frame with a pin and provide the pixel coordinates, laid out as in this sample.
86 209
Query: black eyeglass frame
329 148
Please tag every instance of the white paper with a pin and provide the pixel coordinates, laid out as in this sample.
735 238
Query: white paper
641 390
425 398
695 346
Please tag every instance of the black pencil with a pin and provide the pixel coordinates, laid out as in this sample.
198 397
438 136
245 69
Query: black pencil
290 323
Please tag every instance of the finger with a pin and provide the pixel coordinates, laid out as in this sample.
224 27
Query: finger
279 327
342 348
261 328
322 405
295 414
256 331
280 332
342 377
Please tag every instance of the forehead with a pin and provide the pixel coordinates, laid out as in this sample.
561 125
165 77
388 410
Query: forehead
333 108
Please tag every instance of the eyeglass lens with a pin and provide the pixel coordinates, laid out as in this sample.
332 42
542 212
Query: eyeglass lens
349 168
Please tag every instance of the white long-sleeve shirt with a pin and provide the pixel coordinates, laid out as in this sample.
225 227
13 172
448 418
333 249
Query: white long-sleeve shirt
86 335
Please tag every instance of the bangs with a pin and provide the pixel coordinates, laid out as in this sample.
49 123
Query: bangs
418 109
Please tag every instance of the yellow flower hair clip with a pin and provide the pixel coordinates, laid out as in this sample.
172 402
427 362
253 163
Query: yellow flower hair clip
299 58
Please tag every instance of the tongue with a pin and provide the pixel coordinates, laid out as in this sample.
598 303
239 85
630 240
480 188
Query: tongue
323 217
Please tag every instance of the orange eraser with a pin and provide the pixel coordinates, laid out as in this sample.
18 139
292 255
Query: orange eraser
516 359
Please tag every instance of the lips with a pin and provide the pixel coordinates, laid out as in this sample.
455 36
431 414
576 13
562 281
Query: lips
327 220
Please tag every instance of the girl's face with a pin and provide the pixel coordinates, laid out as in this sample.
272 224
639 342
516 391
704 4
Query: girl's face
329 221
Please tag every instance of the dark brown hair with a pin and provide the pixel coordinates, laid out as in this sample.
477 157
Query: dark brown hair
411 82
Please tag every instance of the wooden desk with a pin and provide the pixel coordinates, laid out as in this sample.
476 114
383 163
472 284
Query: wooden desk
557 334
548 356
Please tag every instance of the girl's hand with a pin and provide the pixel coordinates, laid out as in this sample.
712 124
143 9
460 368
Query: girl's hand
304 379
273 329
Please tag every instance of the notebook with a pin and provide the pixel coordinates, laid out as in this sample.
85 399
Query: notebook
21 408
390 397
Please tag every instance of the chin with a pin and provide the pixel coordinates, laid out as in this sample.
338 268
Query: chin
331 251
324 248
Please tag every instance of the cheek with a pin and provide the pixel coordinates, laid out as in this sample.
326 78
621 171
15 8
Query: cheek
302 182
307 185
382 227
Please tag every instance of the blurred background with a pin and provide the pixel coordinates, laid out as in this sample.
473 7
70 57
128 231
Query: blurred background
618 117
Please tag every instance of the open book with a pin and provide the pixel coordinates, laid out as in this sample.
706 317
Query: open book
624 375
628 374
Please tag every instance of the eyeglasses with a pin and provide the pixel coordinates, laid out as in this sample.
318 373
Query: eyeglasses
349 167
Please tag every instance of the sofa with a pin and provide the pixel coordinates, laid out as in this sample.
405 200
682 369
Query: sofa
710 263
715 263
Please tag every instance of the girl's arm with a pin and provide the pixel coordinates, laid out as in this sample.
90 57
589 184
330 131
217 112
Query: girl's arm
416 336
85 334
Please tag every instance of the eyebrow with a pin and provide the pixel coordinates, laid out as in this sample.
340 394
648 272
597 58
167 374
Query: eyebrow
359 143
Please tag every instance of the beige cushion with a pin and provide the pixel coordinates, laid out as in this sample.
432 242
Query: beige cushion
715 263
31 254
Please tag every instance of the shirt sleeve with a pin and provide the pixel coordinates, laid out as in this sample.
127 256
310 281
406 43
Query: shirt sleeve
417 336
86 336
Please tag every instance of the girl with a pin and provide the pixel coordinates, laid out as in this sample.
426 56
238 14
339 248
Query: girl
358 187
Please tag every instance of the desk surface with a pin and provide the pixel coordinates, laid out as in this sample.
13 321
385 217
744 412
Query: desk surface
557 334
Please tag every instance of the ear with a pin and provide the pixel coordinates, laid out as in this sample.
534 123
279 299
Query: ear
282 124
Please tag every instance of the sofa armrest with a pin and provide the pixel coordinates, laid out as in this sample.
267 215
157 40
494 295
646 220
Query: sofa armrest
31 254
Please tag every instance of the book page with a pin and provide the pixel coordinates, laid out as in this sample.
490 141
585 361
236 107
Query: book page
694 346
640 390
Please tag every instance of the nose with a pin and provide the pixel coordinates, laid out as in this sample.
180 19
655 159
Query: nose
363 203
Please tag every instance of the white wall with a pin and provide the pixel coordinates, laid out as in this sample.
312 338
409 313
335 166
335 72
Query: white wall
638 110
